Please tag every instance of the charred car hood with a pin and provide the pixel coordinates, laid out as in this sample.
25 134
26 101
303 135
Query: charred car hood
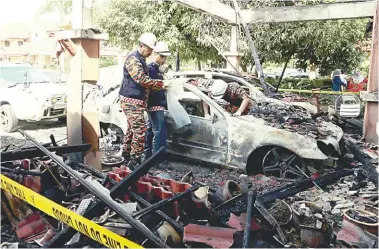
303 142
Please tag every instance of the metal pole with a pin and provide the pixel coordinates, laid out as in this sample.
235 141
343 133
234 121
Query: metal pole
176 225
161 203
252 47
309 178
250 204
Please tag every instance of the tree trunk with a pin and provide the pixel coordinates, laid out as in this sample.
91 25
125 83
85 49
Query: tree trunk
281 76
198 65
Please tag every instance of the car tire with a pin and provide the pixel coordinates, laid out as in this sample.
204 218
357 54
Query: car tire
257 158
254 163
8 120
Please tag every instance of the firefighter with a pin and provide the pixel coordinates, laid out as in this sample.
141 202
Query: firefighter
134 93
157 103
232 93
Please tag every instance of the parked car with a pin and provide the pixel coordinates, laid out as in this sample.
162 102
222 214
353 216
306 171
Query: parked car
297 75
55 76
28 94
244 142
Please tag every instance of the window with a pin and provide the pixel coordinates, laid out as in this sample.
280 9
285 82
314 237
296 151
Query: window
7 44
20 43
193 107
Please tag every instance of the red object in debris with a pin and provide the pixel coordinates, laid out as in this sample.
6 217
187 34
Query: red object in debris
352 234
239 222
217 237
33 183
30 229
315 176
29 219
26 164
153 188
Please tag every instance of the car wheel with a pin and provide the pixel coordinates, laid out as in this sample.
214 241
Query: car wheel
8 120
280 162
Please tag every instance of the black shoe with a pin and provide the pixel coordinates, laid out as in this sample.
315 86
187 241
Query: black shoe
133 163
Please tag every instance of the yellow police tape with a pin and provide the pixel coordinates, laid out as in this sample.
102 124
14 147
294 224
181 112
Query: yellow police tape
314 92
74 220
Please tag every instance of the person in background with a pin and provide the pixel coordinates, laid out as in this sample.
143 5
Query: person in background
343 77
337 83
232 93
157 103
134 93
357 82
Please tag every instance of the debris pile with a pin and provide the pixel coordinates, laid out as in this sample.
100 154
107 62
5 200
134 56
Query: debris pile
49 203
294 119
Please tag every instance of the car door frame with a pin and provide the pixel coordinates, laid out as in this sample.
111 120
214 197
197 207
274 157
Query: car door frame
195 149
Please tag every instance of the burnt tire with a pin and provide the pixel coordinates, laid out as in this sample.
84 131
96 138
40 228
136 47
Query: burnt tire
8 120
254 163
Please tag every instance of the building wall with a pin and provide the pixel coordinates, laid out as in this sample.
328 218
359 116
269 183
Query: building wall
12 43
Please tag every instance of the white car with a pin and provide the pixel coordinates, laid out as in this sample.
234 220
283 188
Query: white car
28 94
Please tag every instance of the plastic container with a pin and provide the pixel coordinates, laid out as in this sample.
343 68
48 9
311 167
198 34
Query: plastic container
369 227
226 192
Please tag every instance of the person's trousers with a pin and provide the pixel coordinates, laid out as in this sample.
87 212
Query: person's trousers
135 137
156 133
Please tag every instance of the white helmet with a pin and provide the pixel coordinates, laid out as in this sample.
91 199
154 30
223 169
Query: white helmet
162 49
218 89
148 39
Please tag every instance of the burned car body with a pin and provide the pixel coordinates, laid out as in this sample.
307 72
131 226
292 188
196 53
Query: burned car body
28 94
245 142
255 93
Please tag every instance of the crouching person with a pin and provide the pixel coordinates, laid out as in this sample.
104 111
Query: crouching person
232 93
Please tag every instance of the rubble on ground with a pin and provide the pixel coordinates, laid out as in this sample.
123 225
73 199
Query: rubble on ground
170 204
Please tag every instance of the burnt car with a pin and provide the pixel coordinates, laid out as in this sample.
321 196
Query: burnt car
251 85
253 143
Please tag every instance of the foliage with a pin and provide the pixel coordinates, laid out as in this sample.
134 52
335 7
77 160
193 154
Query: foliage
304 84
107 61
324 44
63 6
185 30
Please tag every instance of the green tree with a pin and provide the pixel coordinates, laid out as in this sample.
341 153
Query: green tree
185 30
63 6
324 44
107 61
